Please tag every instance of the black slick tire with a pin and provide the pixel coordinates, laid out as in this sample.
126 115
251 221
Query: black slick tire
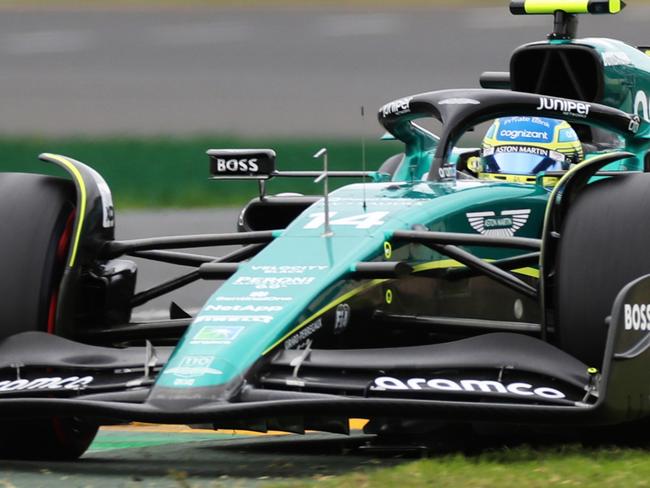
604 244
36 215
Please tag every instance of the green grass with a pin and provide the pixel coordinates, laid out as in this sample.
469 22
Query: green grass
168 172
570 466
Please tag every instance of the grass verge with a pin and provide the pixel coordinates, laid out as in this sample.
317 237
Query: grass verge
164 172
565 466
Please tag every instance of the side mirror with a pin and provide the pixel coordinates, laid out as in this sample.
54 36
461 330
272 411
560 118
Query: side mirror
242 164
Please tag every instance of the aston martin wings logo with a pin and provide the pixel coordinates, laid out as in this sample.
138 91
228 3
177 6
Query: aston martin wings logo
504 225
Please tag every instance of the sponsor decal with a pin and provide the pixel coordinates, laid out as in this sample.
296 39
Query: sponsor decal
274 282
398 107
532 120
255 296
342 317
568 107
287 269
194 367
538 151
263 319
53 383
615 58
385 383
528 134
515 148
637 317
634 124
108 211
245 165
459 101
506 224
243 308
184 382
447 171
297 341
216 334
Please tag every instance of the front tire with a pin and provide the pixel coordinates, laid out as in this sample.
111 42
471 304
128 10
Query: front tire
36 217
604 244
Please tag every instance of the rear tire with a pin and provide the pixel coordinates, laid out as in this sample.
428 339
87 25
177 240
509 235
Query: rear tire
604 245
36 214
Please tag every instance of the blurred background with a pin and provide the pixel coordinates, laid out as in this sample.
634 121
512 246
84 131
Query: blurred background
141 89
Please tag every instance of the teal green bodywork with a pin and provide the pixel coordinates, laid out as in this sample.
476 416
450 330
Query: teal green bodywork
622 82
626 86
289 283
236 342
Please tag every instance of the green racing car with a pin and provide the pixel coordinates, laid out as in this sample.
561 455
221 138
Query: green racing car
502 282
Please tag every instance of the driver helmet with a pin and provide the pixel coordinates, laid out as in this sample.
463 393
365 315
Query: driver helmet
524 146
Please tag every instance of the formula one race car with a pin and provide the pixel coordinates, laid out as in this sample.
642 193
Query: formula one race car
450 287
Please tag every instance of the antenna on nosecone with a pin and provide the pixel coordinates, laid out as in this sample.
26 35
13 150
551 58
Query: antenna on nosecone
325 177
363 156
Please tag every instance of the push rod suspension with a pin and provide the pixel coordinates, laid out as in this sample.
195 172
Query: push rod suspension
194 275
173 257
427 237
114 249
491 271
506 264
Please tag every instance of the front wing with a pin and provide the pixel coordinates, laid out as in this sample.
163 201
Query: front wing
499 377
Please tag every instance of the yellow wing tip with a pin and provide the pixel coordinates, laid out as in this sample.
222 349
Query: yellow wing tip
536 7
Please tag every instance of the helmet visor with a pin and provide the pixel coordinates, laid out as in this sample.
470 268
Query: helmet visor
521 160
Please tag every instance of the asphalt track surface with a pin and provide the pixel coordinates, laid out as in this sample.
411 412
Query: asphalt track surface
137 224
176 456
283 72
253 73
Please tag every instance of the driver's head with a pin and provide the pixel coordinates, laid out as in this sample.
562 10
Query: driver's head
527 146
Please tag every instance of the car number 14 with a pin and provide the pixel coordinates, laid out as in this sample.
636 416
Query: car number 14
361 221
